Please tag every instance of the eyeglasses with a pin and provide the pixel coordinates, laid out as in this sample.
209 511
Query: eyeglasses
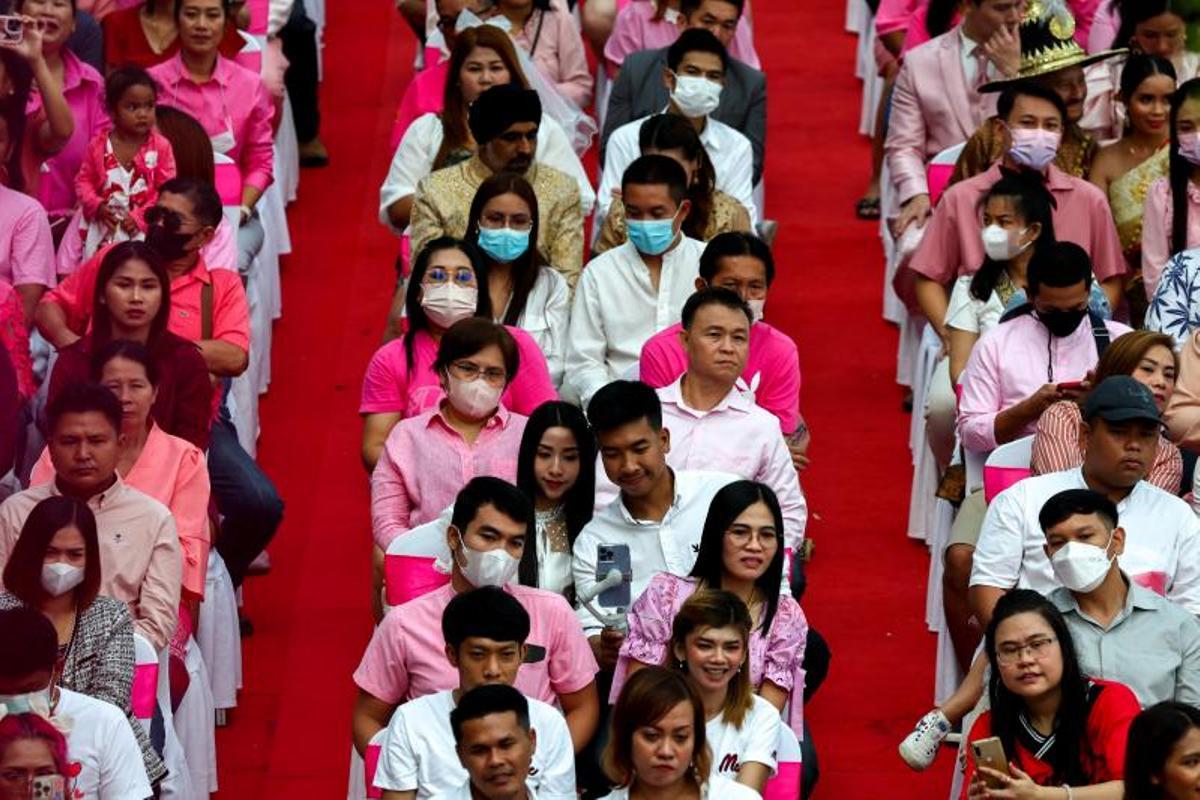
742 535
1011 653
171 220
463 276
517 222
468 371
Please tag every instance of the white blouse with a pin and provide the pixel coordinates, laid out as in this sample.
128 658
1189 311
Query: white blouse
547 312
968 313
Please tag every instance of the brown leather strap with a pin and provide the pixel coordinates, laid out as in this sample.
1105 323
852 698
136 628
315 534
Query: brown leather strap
206 312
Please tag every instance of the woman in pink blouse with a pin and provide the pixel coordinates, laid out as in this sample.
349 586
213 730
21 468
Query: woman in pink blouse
1170 225
552 41
401 380
741 551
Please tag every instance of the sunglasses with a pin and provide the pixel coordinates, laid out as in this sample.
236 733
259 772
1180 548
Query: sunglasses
170 220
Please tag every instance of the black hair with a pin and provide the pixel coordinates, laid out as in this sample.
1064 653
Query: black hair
1134 12
28 642
580 499
128 350
1064 505
226 7
121 79
468 336
206 203
726 506
23 573
696 40
1070 721
12 113
1008 99
687 7
657 169
486 490
414 313
939 15
714 296
735 243
116 257
526 268
82 398
1138 68
1058 266
1153 734
488 612
1180 173
622 402
482 701
1033 203
663 132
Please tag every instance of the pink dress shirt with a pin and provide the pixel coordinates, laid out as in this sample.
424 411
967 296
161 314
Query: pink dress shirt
952 247
636 29
26 248
83 88
1012 361
388 388
406 657
174 472
234 99
425 463
1158 228
772 368
776 655
14 338
554 44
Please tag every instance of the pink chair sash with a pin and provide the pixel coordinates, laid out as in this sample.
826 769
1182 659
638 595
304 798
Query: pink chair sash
251 60
405 254
938 178
997 479
259 10
143 691
785 783
229 184
370 763
409 577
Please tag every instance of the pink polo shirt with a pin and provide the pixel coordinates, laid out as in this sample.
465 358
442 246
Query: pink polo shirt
174 472
233 99
425 463
1012 361
26 249
83 88
772 368
952 247
406 657
389 388
636 29
1158 228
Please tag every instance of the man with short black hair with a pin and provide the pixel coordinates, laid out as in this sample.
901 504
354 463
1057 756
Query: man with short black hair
496 744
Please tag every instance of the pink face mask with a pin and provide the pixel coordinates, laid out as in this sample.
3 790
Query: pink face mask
1189 147
1034 148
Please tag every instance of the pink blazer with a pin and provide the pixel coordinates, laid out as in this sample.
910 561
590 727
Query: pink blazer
932 109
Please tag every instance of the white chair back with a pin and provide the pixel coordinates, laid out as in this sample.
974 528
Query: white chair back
940 168
371 763
785 783
1007 464
408 565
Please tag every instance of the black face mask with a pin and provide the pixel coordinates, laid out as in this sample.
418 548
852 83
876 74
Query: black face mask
1061 323
170 245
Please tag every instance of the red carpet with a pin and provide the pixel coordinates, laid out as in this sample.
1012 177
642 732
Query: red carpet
290 734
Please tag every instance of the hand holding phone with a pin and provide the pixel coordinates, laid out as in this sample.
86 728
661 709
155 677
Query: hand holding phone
1072 386
12 29
989 753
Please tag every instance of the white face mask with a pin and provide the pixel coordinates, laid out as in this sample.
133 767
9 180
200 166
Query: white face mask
59 578
446 303
695 96
486 567
1081 567
473 399
27 703
756 308
999 243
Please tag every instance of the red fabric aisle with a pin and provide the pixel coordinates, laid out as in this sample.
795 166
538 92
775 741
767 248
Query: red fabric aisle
289 736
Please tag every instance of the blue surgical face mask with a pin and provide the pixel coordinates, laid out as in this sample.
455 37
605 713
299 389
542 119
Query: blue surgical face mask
503 244
651 237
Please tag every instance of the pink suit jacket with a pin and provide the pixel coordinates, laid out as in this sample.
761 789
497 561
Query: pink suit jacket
932 109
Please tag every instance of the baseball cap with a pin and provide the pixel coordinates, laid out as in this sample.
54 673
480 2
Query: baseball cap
1121 398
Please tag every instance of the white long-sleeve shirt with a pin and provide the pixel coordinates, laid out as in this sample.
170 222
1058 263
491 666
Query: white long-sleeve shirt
545 318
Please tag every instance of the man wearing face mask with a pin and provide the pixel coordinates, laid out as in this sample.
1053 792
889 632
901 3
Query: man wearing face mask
631 292
694 77
99 738
406 657
504 121
1030 120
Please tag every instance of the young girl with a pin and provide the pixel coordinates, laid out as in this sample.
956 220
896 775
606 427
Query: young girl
123 167
1163 759
710 644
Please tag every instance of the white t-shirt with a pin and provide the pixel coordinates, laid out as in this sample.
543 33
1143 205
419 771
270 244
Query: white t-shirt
418 752
715 788
968 313
756 740
102 744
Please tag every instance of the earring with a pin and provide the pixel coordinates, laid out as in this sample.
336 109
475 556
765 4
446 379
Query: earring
682 665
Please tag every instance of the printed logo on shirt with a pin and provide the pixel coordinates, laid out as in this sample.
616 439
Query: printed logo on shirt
729 763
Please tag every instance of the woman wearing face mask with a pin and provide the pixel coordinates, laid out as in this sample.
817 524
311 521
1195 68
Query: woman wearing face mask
54 567
33 759
1058 727
658 746
525 292
1163 758
401 380
1171 221
132 302
713 211
556 466
1149 358
427 458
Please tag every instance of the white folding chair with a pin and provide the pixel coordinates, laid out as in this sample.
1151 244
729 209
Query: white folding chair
408 564
251 54
195 723
362 771
785 783
219 637
1006 465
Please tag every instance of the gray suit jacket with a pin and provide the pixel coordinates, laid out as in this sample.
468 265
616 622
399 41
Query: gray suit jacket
639 92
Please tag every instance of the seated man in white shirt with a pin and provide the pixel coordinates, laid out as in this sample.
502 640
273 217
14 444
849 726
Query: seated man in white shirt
631 292
712 424
485 631
658 516
496 743
695 74
100 740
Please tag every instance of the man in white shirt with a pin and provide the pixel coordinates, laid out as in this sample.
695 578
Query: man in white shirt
100 741
659 514
485 631
631 292
712 424
695 74
495 742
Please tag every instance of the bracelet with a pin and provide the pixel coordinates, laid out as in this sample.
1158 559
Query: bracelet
1070 794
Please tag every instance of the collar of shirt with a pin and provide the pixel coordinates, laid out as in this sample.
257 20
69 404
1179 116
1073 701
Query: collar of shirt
1136 597
708 134
673 394
96 502
222 72
498 420
199 273
677 501
1057 181
74 73
1139 489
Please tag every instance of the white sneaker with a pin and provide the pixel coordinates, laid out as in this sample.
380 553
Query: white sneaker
920 747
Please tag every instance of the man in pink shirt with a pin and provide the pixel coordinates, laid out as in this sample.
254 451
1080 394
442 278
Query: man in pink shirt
406 657
1030 121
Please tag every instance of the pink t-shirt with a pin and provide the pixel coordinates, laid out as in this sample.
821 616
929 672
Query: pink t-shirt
406 657
389 389
772 368
26 247
636 29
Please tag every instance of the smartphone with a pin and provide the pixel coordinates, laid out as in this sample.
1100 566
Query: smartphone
12 29
609 557
48 787
990 753
1070 385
